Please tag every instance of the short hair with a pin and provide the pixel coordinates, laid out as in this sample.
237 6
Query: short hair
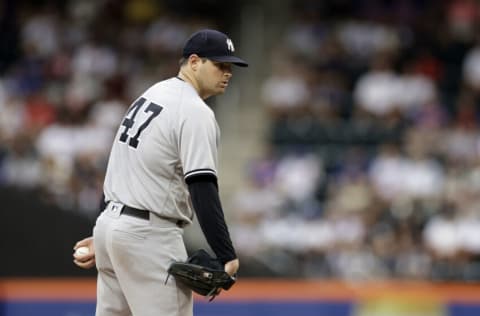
184 60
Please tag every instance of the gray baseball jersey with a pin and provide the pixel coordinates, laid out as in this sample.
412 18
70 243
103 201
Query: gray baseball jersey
167 135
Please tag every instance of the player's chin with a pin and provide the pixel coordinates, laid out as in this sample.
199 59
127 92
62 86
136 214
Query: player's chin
221 89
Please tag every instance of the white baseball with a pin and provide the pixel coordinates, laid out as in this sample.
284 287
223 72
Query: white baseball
82 251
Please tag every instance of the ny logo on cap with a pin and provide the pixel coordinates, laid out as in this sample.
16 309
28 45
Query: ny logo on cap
230 45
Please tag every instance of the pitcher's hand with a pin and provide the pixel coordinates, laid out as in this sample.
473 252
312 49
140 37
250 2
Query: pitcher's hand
231 267
85 261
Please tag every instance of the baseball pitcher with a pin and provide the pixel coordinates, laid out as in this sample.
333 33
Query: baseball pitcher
162 169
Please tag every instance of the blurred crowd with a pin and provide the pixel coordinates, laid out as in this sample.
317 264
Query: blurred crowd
372 159
372 163
69 73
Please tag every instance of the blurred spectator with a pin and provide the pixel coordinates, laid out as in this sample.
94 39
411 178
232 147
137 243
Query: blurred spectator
13 117
255 204
21 167
471 69
421 88
441 234
297 177
386 170
462 16
377 90
285 92
93 61
40 33
364 39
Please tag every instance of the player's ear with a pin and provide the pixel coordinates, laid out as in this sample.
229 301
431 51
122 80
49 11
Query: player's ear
194 60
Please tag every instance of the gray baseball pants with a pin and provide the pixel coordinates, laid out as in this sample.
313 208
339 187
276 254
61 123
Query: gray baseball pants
132 257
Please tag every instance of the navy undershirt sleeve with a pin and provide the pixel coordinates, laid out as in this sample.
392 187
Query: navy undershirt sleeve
206 202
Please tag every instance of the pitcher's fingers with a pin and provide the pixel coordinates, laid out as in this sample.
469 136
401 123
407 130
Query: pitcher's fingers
85 264
83 257
84 242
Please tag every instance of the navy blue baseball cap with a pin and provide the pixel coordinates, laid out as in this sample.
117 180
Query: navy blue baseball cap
213 45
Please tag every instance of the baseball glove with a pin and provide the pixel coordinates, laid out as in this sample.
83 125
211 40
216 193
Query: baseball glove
202 274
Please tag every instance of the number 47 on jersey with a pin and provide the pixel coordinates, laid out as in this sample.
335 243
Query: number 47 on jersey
129 121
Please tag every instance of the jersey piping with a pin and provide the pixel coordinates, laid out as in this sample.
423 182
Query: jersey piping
200 172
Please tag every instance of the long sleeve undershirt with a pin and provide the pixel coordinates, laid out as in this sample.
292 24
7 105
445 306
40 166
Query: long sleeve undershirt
206 202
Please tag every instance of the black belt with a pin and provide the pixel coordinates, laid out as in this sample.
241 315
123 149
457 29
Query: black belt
144 214
135 212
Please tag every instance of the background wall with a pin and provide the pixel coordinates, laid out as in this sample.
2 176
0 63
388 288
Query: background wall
64 297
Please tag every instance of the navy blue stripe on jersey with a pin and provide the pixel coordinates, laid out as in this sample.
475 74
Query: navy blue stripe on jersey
200 171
